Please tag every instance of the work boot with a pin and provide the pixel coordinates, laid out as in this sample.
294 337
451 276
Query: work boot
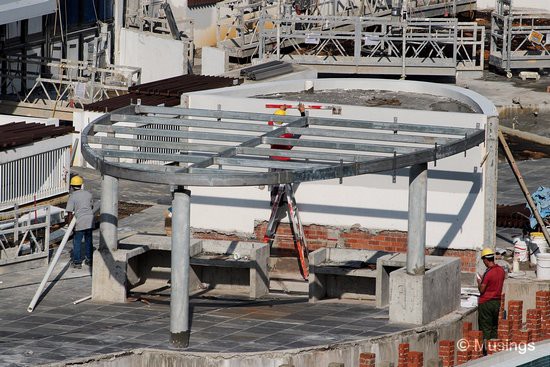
88 262
77 266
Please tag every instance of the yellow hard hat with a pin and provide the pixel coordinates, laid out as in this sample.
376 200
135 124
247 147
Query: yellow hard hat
487 252
280 112
77 181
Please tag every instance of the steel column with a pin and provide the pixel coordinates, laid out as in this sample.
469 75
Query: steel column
416 241
180 263
109 213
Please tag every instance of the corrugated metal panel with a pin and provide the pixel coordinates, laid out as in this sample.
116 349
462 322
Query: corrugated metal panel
157 138
35 177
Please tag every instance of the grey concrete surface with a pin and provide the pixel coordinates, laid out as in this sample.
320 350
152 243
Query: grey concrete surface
421 299
59 330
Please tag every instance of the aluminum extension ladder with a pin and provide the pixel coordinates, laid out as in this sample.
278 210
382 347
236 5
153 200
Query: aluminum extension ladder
285 202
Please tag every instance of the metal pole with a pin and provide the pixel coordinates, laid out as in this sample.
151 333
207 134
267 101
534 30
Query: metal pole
523 186
52 265
490 173
179 302
118 15
109 213
47 230
416 239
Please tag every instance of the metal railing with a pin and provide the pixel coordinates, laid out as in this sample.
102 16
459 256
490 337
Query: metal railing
39 174
76 82
375 45
237 28
25 234
519 41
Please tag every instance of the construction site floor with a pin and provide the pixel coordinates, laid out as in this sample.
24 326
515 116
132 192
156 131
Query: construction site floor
59 331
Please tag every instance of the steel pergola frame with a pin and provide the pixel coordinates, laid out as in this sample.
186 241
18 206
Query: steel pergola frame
229 148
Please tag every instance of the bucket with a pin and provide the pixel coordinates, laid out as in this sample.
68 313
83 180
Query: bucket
543 266
520 249
538 239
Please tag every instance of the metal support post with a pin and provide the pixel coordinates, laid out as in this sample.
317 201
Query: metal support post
109 213
416 241
490 179
180 263
118 15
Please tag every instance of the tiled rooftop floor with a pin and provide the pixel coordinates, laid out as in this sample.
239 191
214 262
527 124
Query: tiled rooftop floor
59 330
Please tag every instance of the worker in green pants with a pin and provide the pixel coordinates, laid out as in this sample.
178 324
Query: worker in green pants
490 290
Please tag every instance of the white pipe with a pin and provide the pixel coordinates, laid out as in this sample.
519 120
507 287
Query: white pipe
82 299
52 265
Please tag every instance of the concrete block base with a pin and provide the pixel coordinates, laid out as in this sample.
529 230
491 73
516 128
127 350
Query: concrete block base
421 299
109 269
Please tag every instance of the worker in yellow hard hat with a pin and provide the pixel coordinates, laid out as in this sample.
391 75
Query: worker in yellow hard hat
79 206
490 290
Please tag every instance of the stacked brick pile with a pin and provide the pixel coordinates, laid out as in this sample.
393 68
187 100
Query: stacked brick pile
367 359
408 358
511 332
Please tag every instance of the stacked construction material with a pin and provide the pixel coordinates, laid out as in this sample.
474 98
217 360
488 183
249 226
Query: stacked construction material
266 70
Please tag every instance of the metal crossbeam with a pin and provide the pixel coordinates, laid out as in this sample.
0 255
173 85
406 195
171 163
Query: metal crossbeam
232 148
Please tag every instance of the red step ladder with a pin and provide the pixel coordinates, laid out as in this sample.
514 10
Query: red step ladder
283 203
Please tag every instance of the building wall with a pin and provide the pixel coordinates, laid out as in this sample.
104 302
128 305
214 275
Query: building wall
204 18
159 57
363 212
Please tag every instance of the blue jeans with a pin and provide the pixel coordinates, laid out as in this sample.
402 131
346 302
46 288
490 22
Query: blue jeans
77 244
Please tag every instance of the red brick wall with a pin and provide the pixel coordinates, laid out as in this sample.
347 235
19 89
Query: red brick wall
327 236
356 238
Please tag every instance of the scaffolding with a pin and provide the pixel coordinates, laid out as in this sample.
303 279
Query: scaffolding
375 45
237 27
76 83
519 40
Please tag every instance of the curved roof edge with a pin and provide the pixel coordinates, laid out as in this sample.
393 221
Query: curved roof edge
474 100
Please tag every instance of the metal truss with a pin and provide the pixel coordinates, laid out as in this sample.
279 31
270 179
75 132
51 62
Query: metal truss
24 237
376 45
75 83
228 148
238 21
519 40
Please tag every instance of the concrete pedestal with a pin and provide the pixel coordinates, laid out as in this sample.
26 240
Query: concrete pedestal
109 276
421 299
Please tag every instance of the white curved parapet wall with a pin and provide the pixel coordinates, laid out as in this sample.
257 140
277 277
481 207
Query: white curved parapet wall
455 187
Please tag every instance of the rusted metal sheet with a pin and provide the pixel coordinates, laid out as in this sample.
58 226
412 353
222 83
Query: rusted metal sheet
199 3
20 133
513 216
165 92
